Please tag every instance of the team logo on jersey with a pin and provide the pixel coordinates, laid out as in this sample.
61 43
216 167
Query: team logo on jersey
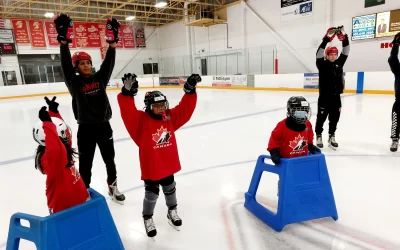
298 145
161 138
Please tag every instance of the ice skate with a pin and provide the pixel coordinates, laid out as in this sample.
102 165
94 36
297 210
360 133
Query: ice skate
320 144
116 196
173 219
150 226
332 142
395 144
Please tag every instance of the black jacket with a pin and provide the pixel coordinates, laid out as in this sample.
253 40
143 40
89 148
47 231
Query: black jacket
395 68
331 81
90 103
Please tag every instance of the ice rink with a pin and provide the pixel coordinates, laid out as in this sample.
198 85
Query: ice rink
218 149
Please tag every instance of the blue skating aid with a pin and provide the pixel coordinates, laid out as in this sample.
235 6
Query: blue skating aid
85 226
305 191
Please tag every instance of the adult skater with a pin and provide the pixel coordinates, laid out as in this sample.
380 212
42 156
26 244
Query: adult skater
395 67
331 84
153 131
90 103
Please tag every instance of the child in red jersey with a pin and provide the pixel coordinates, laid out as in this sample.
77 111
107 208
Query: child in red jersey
153 131
55 158
293 136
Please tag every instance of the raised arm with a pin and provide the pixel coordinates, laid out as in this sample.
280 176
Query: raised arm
394 56
330 34
107 67
129 113
182 112
66 65
55 157
342 36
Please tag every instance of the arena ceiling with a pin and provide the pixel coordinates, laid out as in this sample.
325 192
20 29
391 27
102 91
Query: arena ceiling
143 11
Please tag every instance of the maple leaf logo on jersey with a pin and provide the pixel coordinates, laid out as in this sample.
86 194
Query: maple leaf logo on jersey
298 143
162 136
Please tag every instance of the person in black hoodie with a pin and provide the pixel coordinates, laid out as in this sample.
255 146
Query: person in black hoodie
331 84
90 103
395 68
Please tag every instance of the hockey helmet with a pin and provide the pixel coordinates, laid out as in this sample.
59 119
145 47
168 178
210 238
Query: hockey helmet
155 97
331 50
298 108
63 131
80 55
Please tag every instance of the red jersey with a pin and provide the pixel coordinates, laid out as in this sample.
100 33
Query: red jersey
158 152
291 143
64 186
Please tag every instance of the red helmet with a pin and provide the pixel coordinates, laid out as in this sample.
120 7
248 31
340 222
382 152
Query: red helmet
330 50
80 55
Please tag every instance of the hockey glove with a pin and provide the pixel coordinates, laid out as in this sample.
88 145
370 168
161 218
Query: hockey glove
341 34
112 28
64 27
53 105
396 39
330 33
44 115
275 156
190 84
131 85
313 149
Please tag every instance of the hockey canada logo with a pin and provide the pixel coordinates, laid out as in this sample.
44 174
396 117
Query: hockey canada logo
298 145
161 138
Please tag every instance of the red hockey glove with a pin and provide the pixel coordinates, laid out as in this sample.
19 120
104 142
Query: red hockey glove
331 33
112 28
340 33
64 27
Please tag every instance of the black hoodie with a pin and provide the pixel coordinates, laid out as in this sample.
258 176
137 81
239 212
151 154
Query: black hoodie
90 103
395 68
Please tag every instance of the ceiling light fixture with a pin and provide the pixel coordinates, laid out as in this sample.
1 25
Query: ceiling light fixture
160 4
130 18
49 14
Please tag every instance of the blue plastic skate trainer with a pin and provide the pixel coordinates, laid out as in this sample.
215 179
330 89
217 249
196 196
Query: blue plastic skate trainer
85 226
305 191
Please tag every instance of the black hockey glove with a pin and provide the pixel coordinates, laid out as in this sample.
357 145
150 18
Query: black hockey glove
53 105
44 115
112 27
131 85
190 84
275 156
64 27
313 149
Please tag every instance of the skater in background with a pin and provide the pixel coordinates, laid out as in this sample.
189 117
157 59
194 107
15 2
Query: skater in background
90 103
395 68
293 136
331 84
56 159
153 131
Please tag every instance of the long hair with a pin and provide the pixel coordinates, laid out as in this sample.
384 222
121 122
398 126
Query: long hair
71 156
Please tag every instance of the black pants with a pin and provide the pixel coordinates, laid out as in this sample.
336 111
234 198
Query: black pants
163 182
395 114
328 108
88 136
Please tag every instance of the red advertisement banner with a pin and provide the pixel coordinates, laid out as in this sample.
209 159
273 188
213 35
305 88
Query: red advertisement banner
140 39
37 33
21 31
93 31
51 33
81 35
128 35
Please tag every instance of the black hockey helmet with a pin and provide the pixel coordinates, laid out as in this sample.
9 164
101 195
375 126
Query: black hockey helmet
153 97
298 109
